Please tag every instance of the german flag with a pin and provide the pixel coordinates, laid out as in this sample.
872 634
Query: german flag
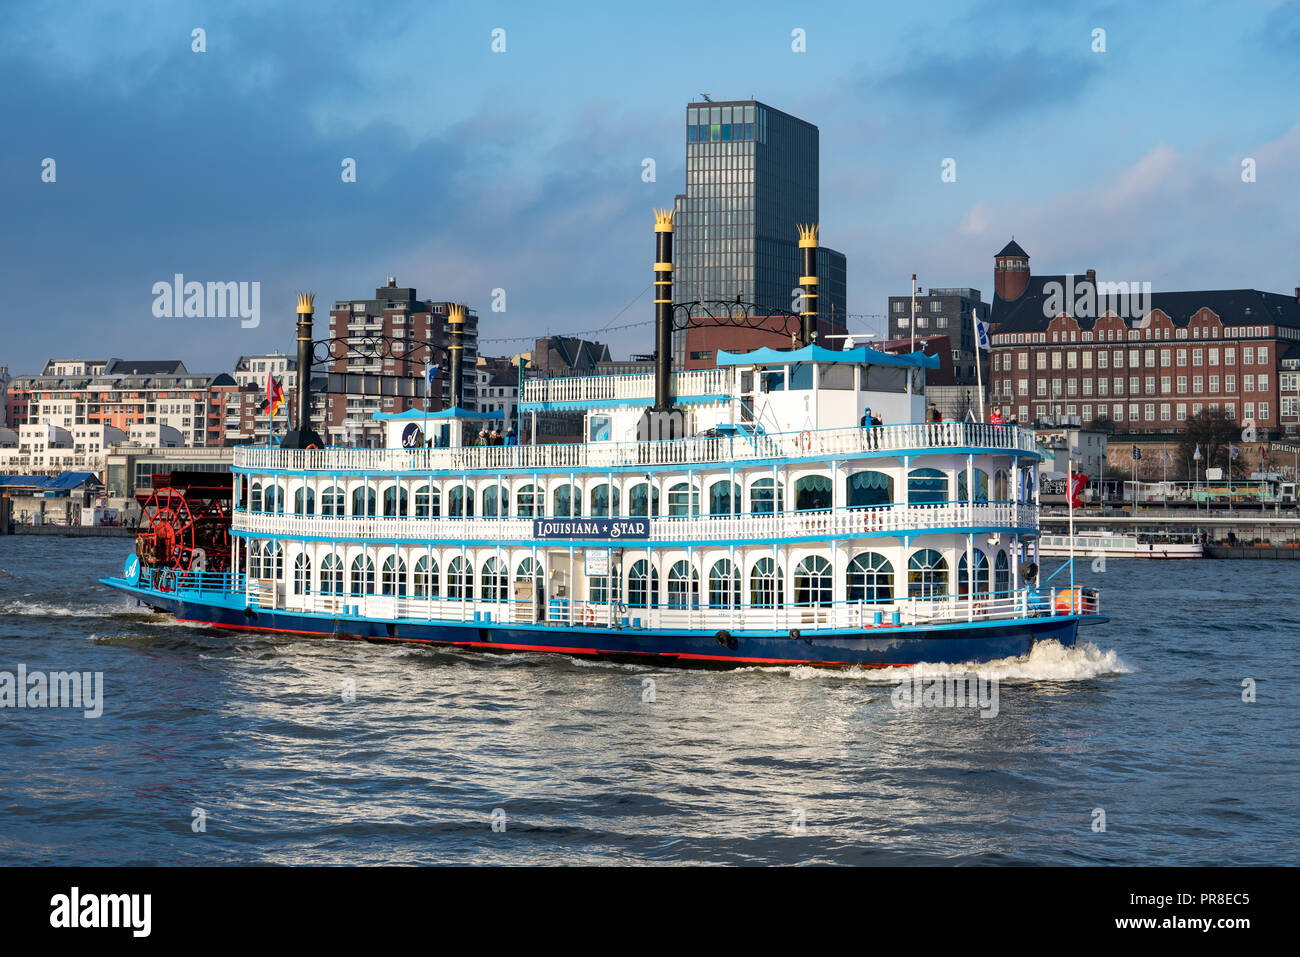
274 394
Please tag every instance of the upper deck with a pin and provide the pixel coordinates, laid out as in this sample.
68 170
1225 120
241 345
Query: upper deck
738 449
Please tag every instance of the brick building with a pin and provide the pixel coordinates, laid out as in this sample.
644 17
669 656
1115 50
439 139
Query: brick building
1071 345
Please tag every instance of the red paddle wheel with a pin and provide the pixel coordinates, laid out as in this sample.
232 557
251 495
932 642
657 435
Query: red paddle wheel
185 522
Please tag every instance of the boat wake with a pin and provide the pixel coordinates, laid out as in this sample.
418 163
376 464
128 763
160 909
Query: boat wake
1048 661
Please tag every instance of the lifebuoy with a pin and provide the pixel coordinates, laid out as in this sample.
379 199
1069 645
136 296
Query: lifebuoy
805 441
589 616
312 445
979 608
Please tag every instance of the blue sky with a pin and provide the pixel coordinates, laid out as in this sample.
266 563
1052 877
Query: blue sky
522 170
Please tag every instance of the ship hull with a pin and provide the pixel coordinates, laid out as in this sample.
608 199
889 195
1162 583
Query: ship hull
878 647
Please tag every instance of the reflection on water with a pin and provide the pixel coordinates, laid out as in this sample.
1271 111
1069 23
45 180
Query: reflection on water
311 751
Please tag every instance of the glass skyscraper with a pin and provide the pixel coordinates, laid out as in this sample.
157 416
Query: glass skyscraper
751 177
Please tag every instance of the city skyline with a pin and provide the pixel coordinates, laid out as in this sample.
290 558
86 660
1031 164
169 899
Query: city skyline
479 174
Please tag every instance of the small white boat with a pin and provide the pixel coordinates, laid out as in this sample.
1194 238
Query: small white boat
1092 544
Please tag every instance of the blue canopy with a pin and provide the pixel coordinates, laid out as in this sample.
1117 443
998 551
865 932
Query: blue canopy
454 412
815 353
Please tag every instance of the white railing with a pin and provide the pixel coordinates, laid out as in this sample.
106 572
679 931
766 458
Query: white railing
633 386
757 528
864 616
700 450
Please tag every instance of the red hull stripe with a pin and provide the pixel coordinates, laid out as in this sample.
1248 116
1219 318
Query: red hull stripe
555 649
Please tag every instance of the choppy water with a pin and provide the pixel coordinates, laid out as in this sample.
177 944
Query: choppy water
1144 721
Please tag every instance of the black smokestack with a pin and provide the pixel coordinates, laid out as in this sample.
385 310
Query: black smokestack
304 436
808 281
663 272
455 351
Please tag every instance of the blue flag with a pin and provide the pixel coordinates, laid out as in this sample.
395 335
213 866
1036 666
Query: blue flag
1137 453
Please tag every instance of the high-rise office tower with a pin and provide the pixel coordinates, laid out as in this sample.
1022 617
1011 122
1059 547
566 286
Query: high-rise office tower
751 179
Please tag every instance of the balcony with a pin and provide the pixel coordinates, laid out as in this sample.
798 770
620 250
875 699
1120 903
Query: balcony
635 386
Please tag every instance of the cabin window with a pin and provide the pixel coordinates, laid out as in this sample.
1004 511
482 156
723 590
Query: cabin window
392 577
363 576
801 376
460 504
394 501
981 585
870 578
304 502
600 501
331 501
427 501
812 493
642 585
301 574
643 501
529 502
255 497
812 581
724 585
683 500
458 579
566 501
837 376
724 498
766 585
425 580
683 586
981 487
927 574
599 586
869 489
766 497
926 487
1000 487
493 581
492 495
772 380
331 575
274 499
363 502
529 570
1001 575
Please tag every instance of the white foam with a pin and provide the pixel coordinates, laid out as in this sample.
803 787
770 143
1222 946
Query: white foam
37 609
1046 661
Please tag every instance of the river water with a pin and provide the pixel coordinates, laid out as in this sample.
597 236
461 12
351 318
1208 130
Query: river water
217 747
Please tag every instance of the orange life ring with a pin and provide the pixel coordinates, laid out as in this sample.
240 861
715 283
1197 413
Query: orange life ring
805 441
979 608
589 616
312 445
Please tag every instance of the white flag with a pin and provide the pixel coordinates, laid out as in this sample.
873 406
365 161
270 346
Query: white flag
981 333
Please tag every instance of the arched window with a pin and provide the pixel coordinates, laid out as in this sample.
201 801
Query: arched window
812 493
724 498
926 487
683 500
566 501
602 504
870 578
642 585
394 501
274 499
363 576
458 579
724 585
1001 575
392 577
812 581
981 575
331 575
492 500
255 559
426 577
683 585
530 569
1001 487
643 501
255 497
301 574
273 561
493 582
529 502
428 501
331 501
460 502
304 502
869 489
981 487
766 497
927 574
363 501
766 585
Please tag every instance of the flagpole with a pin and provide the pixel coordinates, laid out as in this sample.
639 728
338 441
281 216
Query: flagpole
979 375
1069 499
